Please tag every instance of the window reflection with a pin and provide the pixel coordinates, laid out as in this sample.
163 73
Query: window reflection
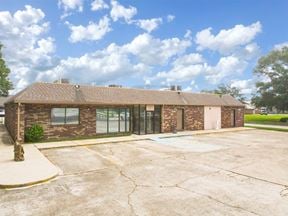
112 120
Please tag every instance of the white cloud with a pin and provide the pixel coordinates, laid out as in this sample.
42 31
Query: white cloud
153 51
192 87
30 53
149 24
93 31
250 51
192 58
184 68
45 46
26 50
69 6
170 18
227 40
225 68
100 67
118 11
246 86
188 34
97 5
135 58
281 45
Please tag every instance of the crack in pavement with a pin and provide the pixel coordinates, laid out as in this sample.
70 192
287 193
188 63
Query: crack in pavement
181 156
260 179
177 185
237 173
284 192
130 194
216 200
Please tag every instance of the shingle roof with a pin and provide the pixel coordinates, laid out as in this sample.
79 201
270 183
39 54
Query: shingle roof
52 93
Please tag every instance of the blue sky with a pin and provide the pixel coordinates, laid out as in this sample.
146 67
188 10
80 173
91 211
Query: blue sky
140 43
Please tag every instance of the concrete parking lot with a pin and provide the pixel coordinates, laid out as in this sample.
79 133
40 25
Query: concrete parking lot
233 173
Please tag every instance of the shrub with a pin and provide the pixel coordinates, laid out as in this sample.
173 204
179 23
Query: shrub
34 133
284 119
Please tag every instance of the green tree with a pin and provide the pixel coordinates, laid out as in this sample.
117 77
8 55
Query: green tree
5 83
226 89
274 91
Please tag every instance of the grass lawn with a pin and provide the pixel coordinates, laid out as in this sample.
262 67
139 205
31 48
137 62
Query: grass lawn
273 119
267 128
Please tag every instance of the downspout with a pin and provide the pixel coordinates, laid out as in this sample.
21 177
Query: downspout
18 121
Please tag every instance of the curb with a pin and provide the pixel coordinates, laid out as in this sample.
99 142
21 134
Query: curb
14 186
140 139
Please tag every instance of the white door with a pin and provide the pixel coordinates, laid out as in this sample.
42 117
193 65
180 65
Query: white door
212 118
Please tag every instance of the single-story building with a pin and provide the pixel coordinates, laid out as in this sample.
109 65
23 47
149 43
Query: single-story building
67 111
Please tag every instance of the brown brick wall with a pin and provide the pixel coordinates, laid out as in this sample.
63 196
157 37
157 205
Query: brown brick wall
226 116
193 117
41 114
11 118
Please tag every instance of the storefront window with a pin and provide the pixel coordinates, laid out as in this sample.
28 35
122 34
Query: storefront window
122 120
101 120
112 120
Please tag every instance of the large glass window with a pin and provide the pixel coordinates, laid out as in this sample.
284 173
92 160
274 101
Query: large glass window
136 120
142 119
122 116
112 120
127 120
60 116
101 120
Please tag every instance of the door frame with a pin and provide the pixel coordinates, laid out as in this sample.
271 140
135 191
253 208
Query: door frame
136 119
153 122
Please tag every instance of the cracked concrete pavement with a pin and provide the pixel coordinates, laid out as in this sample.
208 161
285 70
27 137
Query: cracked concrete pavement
233 173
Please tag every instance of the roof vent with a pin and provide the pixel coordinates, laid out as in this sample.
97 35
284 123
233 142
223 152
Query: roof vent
176 88
62 81
77 87
115 86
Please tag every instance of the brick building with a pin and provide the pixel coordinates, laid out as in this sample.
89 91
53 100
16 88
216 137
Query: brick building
72 111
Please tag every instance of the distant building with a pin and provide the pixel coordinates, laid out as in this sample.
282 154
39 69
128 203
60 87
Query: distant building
2 109
250 109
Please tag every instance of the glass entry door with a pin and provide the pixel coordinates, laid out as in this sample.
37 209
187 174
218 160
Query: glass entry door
149 122
146 121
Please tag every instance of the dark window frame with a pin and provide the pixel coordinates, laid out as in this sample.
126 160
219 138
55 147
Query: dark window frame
136 119
127 109
65 116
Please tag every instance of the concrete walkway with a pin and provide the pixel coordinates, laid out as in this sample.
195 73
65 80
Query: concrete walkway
35 169
267 126
133 137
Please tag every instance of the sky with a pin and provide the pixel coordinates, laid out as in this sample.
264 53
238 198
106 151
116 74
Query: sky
141 43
